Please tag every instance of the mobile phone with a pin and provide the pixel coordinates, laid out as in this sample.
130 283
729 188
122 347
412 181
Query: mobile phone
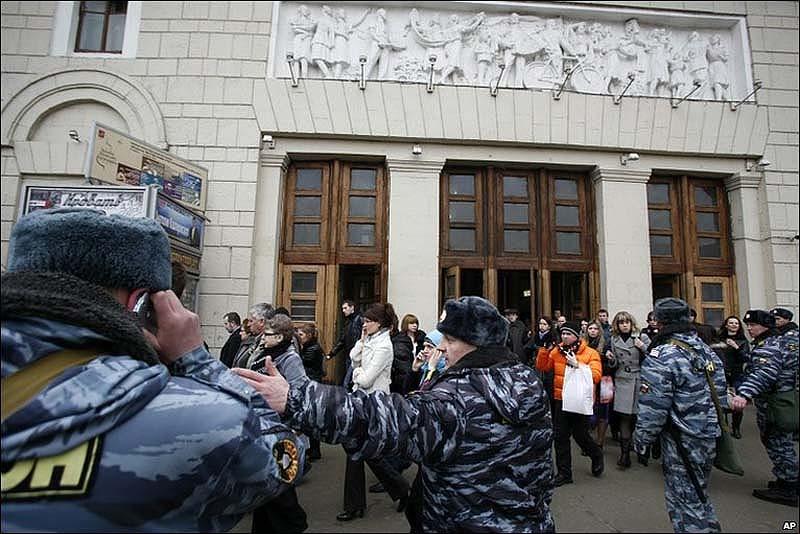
145 313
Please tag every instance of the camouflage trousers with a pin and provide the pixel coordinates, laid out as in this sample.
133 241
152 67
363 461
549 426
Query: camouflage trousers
686 511
779 445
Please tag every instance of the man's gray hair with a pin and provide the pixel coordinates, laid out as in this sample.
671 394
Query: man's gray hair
262 310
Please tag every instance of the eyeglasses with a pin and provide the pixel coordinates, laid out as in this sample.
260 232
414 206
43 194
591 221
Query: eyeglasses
270 333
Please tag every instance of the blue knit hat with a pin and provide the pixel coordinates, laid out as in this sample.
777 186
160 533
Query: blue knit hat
434 337
109 250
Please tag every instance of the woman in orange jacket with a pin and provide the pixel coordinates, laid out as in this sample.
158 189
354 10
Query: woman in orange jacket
571 351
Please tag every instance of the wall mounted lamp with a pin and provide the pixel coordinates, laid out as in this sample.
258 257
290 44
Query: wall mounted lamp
631 77
675 103
493 88
290 62
630 156
757 84
432 60
74 135
416 149
362 81
268 141
759 165
557 94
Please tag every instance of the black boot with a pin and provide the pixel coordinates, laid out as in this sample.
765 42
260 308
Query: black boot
783 493
655 451
643 458
625 453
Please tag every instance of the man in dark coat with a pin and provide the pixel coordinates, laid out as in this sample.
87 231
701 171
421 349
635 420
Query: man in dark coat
704 331
351 332
517 333
233 324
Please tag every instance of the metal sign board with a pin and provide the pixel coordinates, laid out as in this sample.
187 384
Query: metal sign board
118 158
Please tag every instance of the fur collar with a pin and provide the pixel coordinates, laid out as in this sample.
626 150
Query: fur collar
71 300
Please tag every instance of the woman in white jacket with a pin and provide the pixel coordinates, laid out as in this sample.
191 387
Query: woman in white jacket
372 358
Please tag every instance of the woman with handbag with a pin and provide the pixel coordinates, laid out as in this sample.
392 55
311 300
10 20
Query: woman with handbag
571 352
625 354
733 349
372 358
602 404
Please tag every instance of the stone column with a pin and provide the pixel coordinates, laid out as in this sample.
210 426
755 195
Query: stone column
622 240
753 262
414 238
267 227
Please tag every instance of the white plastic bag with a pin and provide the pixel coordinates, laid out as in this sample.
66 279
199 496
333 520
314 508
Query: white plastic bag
577 395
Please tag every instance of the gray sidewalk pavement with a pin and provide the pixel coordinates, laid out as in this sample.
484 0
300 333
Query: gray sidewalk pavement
619 501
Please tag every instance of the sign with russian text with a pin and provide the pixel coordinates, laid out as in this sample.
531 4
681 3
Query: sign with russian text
181 224
118 158
128 201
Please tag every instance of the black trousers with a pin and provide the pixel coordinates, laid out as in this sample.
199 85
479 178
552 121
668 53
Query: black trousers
281 514
355 493
575 425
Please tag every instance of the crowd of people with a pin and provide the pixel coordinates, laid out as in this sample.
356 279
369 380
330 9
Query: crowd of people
104 371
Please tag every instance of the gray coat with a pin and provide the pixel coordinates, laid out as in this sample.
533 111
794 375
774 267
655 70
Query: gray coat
627 379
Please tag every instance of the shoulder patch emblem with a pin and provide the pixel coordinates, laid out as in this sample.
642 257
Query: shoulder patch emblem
65 475
287 458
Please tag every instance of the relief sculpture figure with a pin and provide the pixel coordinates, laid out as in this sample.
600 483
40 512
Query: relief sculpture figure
342 30
717 57
322 42
303 27
628 57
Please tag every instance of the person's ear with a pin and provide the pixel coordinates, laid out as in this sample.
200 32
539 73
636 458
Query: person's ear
128 298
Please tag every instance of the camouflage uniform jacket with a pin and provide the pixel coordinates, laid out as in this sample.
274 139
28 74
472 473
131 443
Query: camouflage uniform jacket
132 445
674 388
481 433
773 365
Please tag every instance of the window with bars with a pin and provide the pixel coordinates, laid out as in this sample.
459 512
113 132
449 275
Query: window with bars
567 220
463 214
335 211
688 220
101 27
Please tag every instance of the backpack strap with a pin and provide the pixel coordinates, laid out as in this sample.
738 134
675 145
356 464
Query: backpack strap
709 368
18 389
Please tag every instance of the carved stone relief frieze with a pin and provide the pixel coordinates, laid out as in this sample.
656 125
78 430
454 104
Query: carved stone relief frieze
510 49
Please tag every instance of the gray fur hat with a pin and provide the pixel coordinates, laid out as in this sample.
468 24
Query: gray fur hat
670 310
475 321
109 250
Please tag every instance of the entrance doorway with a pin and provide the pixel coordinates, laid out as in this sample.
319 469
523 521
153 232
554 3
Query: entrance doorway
458 282
570 293
361 284
514 291
665 285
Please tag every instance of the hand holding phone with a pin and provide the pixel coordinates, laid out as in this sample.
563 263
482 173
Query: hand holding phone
178 330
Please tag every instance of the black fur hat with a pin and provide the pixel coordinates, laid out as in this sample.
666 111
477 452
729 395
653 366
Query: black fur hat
761 317
111 251
783 313
670 310
475 321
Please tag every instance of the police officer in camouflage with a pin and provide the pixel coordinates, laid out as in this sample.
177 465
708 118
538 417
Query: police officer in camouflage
787 328
107 427
773 367
676 407
481 431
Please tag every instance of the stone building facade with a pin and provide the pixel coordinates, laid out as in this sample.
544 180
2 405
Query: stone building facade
413 154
